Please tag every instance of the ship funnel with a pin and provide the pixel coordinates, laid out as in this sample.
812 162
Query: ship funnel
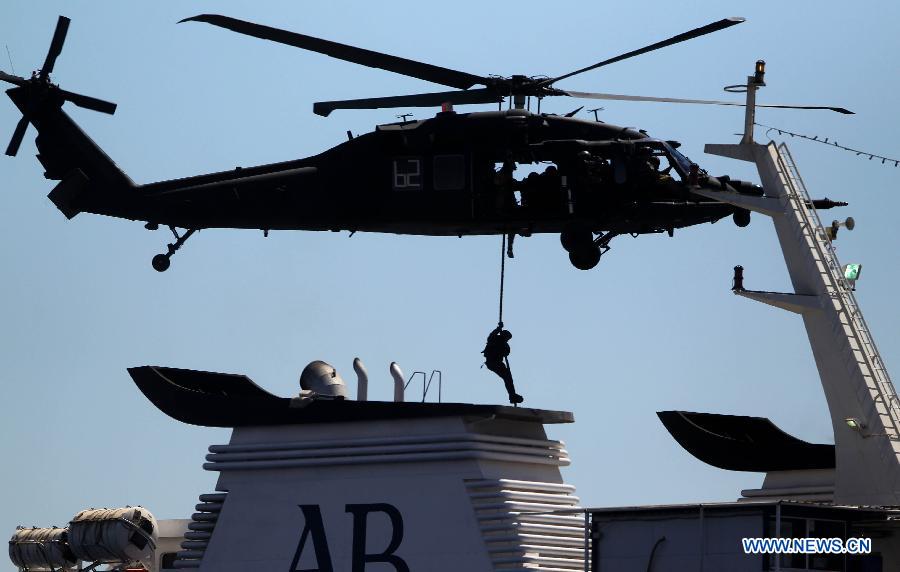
323 380
399 381
362 380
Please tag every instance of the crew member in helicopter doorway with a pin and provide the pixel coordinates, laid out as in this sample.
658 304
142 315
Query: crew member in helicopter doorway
496 358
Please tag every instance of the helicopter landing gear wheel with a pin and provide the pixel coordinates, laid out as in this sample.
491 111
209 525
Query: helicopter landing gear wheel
585 258
575 238
741 217
161 262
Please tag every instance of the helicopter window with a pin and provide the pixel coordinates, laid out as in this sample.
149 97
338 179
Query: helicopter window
667 166
680 163
449 172
655 166
407 173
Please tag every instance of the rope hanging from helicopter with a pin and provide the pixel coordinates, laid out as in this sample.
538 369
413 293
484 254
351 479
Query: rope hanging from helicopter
825 141
502 277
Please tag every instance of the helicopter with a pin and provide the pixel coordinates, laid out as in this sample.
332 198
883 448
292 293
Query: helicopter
453 174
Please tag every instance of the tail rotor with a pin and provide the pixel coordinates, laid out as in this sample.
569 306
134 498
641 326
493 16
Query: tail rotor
30 94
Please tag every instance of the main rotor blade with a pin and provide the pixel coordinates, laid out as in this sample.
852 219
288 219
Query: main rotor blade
695 33
56 45
412 68
17 137
19 81
324 108
88 102
618 97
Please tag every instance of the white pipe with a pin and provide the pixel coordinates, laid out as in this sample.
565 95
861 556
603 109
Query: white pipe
362 380
399 381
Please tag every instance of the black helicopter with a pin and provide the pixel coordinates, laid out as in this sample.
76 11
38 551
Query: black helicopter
453 174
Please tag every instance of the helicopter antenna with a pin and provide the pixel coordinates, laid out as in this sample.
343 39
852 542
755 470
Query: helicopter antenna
403 116
594 111
8 55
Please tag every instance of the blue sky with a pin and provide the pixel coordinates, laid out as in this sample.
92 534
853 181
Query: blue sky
653 327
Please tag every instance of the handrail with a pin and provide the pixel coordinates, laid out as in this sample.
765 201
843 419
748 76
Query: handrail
439 382
426 382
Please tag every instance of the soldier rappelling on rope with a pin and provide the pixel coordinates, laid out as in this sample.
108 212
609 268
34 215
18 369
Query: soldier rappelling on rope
496 350
496 358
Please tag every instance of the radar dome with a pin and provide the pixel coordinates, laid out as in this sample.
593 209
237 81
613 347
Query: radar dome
323 379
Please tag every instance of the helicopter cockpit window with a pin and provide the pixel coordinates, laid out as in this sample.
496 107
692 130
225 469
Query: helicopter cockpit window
407 174
449 172
652 166
680 163
667 166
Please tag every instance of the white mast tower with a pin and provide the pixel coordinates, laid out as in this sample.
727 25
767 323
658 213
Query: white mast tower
862 401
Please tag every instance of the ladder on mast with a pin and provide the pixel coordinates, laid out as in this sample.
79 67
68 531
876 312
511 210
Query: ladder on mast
851 323
862 400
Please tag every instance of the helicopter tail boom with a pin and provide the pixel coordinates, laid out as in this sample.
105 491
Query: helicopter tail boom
66 152
89 179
